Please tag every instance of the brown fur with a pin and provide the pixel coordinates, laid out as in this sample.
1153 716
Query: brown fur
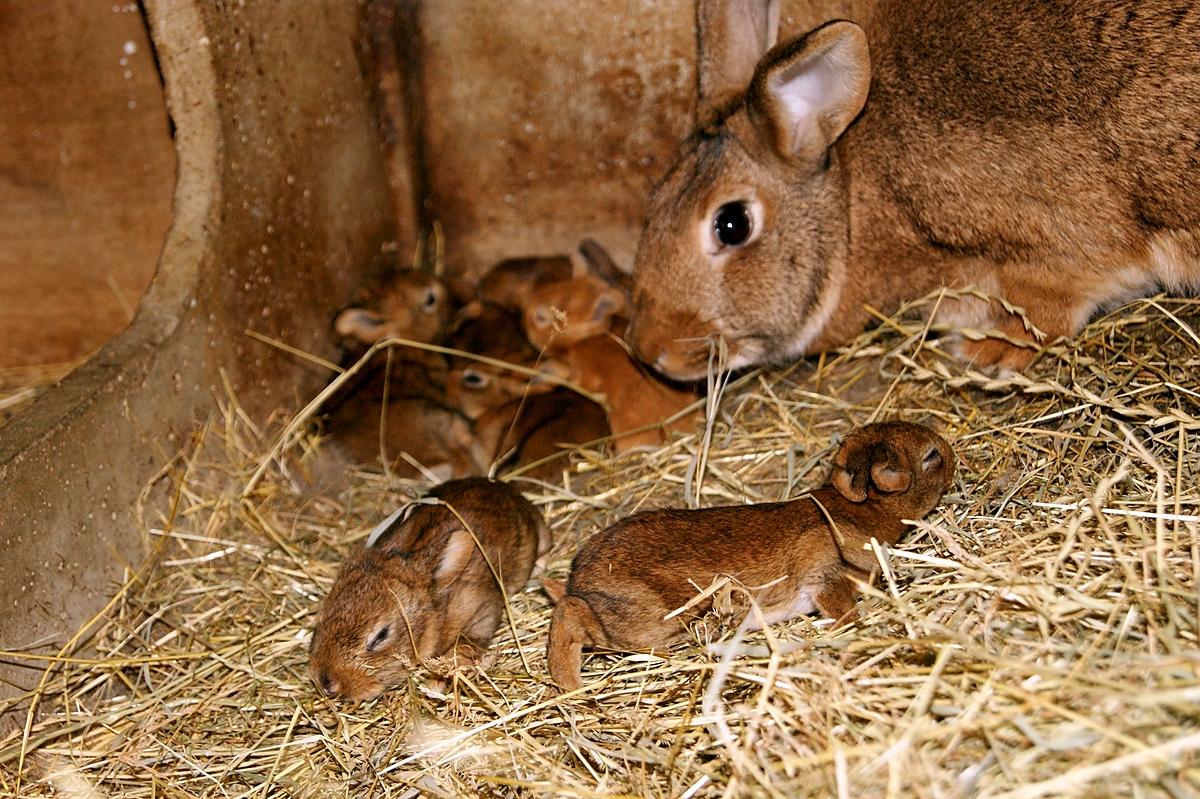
1045 152
474 387
396 406
516 419
508 283
428 582
408 303
524 431
627 578
600 264
635 398
434 436
560 314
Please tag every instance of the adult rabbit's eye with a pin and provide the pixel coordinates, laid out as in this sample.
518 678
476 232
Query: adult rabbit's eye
733 224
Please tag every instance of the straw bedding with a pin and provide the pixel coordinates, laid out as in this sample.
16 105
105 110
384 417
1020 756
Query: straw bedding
1034 636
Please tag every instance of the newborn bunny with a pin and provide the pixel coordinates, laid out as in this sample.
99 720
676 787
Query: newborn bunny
513 414
405 431
414 422
432 586
474 387
637 400
510 283
557 315
1045 152
526 431
507 283
571 322
626 579
408 303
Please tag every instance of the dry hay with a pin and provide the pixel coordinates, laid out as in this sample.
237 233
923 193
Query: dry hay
1035 636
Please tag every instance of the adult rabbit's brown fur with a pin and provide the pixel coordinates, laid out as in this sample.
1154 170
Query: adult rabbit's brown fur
1045 152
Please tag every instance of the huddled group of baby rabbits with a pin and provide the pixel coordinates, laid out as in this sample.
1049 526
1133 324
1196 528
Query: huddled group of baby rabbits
431 588
527 327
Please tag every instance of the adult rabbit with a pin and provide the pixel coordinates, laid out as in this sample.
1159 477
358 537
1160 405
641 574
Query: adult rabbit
1047 153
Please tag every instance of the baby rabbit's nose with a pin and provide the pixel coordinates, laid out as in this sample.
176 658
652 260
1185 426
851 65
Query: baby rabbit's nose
329 685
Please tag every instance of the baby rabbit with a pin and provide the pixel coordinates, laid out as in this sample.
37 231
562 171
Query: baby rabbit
507 284
474 387
635 399
404 431
563 313
525 431
433 586
557 314
1042 152
572 321
408 303
626 579
414 420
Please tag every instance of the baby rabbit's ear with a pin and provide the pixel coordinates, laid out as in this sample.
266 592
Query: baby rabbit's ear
366 326
806 94
887 472
599 263
852 468
455 557
732 36
863 461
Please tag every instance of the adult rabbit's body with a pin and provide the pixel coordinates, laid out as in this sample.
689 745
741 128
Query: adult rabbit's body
1046 152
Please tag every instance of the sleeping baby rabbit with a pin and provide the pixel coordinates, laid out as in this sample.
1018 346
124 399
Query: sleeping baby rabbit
795 556
432 588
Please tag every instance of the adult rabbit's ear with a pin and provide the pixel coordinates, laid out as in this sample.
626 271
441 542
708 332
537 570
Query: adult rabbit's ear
805 94
732 35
